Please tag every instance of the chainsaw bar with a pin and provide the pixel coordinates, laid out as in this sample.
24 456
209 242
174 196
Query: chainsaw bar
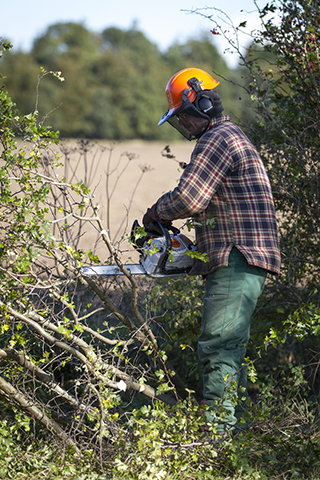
111 270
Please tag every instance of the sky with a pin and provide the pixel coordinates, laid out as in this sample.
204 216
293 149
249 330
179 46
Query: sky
162 21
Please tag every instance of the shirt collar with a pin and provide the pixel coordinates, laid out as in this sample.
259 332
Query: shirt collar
217 120
213 122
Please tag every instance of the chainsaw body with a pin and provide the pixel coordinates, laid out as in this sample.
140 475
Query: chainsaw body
161 255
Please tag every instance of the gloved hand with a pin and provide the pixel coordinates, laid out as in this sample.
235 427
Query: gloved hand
150 216
150 220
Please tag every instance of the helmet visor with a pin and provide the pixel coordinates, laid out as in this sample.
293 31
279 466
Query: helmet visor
170 113
175 123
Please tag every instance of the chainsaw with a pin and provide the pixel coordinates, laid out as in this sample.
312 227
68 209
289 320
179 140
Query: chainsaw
162 254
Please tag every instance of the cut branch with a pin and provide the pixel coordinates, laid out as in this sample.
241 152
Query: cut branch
29 406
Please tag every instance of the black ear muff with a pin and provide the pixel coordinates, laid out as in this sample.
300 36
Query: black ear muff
204 104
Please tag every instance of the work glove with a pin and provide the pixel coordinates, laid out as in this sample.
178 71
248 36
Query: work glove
150 221
217 104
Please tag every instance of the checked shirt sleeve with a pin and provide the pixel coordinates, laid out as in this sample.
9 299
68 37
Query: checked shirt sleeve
210 164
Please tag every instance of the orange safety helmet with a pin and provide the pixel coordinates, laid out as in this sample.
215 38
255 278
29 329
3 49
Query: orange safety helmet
185 91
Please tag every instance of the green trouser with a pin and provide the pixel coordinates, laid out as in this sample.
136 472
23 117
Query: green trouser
230 298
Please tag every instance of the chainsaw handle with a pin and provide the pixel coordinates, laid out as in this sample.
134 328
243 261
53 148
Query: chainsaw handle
152 233
161 232
164 257
164 229
174 230
164 251
166 235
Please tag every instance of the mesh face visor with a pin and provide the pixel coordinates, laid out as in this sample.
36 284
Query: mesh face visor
189 109
175 123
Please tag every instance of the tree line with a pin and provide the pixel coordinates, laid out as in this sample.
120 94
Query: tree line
114 81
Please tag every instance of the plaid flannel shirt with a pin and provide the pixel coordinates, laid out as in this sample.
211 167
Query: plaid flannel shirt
226 180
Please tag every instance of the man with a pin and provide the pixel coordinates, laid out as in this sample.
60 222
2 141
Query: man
226 181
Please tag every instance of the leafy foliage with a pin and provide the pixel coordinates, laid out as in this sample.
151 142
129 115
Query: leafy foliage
178 309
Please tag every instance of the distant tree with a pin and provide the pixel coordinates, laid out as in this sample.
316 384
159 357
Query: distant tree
200 53
24 85
130 79
65 40
71 49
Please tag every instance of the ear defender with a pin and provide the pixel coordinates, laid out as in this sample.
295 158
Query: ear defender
204 104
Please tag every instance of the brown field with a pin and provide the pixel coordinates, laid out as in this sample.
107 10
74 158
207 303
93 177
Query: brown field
132 190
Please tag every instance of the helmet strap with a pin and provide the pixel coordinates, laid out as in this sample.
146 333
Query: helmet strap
184 97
